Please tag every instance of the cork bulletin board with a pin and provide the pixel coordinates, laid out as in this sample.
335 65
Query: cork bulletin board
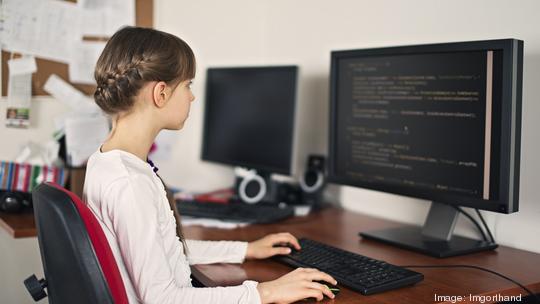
143 17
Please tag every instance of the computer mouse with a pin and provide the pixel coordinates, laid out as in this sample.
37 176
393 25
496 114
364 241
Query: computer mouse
333 288
288 245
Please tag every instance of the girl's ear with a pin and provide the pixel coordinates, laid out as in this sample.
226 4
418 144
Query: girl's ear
160 94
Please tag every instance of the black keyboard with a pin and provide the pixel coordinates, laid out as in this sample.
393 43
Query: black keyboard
358 272
235 211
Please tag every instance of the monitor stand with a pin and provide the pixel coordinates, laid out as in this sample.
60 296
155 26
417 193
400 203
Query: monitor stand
434 238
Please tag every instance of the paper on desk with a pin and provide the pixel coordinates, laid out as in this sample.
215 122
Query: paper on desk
103 18
70 96
211 223
42 28
82 64
84 135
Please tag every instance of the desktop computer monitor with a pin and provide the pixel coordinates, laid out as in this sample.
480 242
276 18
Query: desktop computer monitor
439 122
249 117
249 122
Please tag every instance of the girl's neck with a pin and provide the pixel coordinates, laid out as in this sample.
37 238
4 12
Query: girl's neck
132 134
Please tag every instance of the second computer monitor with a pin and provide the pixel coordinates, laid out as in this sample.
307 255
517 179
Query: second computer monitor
439 122
249 117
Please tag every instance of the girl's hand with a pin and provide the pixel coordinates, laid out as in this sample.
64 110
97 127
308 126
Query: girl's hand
266 247
296 285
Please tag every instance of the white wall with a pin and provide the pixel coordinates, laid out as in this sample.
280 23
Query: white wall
19 258
303 32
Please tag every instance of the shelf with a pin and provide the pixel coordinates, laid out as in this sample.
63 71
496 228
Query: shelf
19 225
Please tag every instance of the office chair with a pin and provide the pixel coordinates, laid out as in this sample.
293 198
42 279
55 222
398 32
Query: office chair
78 263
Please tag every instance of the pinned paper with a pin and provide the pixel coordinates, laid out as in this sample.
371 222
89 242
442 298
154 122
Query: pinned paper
42 28
83 61
104 18
19 91
24 65
70 96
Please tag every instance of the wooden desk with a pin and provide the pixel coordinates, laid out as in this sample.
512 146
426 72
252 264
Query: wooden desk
19 225
340 228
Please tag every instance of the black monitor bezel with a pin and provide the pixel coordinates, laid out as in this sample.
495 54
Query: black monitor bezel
257 167
510 139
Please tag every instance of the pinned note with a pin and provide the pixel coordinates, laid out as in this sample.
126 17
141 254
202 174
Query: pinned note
83 61
70 96
19 91
41 28
23 65
104 17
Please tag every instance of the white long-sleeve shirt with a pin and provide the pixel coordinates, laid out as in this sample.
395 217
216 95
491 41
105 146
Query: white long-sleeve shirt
130 202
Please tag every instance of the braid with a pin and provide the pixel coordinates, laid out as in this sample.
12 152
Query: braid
134 56
116 90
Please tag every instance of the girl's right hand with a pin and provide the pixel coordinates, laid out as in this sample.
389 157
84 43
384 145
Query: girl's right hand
296 285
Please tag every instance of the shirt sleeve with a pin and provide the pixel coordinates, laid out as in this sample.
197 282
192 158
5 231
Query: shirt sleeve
134 216
208 252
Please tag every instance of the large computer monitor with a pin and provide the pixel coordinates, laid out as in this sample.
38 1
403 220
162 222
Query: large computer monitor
249 117
439 122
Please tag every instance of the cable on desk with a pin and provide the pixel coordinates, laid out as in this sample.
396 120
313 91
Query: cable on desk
485 225
475 222
478 268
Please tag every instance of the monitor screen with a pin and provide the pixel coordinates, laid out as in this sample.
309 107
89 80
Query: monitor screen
438 122
249 117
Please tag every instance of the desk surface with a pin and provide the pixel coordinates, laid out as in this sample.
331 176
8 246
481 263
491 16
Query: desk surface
19 225
340 229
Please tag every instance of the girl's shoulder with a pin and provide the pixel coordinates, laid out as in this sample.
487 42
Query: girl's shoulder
113 165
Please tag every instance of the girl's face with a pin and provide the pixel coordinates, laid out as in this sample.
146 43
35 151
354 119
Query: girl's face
177 109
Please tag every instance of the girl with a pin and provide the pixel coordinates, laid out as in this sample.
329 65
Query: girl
143 78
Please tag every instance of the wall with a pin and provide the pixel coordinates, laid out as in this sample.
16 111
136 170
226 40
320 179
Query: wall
303 32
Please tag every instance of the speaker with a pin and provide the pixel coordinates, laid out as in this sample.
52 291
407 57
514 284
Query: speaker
288 193
14 202
252 188
313 181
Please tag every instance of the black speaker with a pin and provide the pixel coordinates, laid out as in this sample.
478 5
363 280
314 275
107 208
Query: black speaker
253 188
289 194
14 201
313 181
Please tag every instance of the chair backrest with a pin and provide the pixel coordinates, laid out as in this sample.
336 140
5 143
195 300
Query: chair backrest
78 263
